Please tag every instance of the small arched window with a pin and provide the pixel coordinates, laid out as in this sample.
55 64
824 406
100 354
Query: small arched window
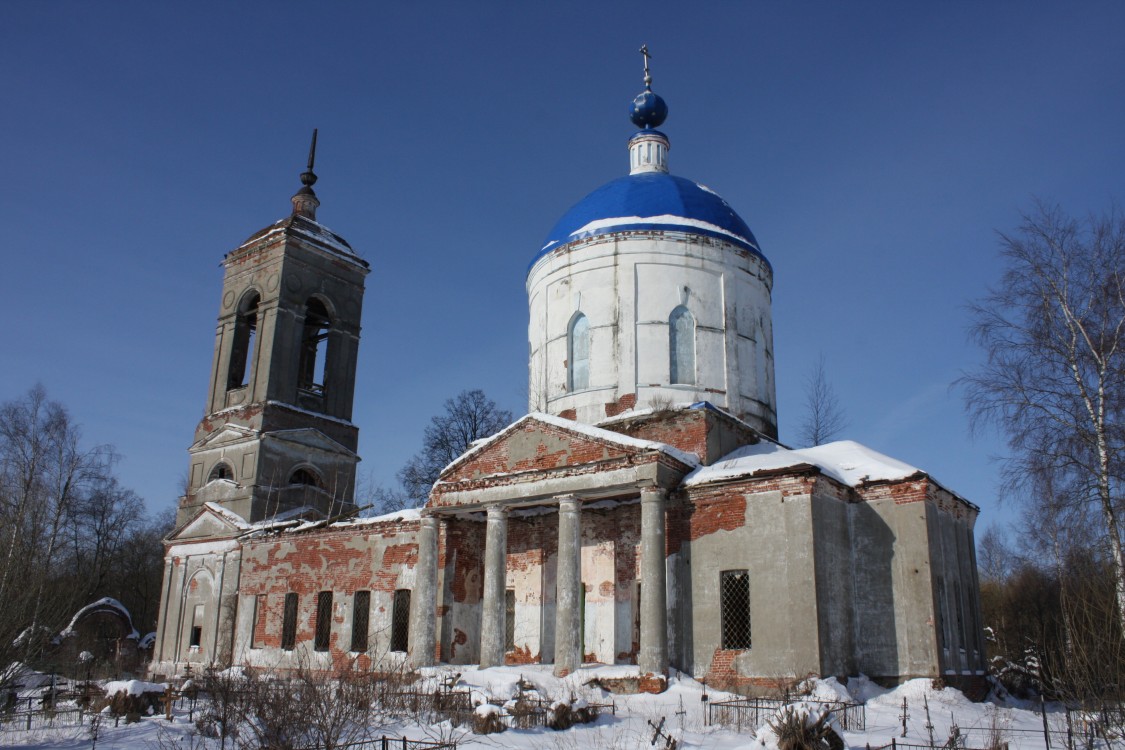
222 470
305 477
681 346
312 372
578 354
245 334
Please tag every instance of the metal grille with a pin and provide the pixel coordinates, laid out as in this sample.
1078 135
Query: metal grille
400 621
510 620
734 599
361 607
289 623
323 620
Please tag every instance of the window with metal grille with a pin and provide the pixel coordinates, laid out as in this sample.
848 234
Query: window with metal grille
400 621
510 620
361 607
289 623
323 620
734 602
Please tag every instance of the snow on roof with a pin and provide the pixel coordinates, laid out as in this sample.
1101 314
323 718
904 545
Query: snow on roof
597 433
103 604
845 461
405 514
230 516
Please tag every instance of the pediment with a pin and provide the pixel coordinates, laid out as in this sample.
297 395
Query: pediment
230 434
209 524
541 443
309 439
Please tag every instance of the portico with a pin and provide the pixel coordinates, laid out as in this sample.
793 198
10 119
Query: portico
573 542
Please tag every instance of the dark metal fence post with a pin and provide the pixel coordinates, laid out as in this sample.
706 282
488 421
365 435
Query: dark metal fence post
1043 713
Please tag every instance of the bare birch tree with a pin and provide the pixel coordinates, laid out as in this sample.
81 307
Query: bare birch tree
824 418
1054 379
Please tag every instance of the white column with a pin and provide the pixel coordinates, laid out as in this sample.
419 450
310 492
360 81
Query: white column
568 610
423 600
653 655
495 584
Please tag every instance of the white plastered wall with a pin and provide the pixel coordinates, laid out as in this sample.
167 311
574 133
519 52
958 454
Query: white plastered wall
627 286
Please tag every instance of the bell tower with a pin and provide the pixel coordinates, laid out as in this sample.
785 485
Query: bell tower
277 436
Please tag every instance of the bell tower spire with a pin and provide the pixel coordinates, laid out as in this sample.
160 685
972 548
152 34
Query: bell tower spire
305 201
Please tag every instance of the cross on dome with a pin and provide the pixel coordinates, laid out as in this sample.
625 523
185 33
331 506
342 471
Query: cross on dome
648 109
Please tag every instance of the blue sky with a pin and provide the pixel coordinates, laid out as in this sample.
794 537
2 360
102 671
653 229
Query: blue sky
873 148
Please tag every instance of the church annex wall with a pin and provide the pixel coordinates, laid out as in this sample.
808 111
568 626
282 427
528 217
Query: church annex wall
764 529
198 604
343 560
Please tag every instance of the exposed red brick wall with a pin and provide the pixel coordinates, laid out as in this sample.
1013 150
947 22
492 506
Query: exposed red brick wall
685 429
556 448
342 561
625 403
723 675
907 491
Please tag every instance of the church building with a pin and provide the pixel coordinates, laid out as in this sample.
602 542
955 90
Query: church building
642 513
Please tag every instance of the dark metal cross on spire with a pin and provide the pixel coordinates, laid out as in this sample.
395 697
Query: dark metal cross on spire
648 76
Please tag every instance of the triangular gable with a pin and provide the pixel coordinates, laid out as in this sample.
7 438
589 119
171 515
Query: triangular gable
543 442
309 438
228 435
210 522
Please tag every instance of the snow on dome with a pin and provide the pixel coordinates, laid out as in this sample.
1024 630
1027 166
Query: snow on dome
845 461
651 201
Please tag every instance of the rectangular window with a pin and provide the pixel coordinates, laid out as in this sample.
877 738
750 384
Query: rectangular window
323 620
734 605
958 605
637 622
510 620
258 622
361 608
939 594
289 623
400 621
196 626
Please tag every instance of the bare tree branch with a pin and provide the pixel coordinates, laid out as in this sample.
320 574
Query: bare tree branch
468 417
824 417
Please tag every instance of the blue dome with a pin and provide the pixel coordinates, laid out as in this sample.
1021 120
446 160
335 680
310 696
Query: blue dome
651 201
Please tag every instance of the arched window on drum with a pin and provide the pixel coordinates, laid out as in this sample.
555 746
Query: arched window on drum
681 347
578 353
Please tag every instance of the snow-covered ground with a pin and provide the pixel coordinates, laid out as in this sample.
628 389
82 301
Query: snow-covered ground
681 708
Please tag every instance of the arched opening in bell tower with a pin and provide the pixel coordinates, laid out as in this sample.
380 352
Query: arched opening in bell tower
313 366
245 337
